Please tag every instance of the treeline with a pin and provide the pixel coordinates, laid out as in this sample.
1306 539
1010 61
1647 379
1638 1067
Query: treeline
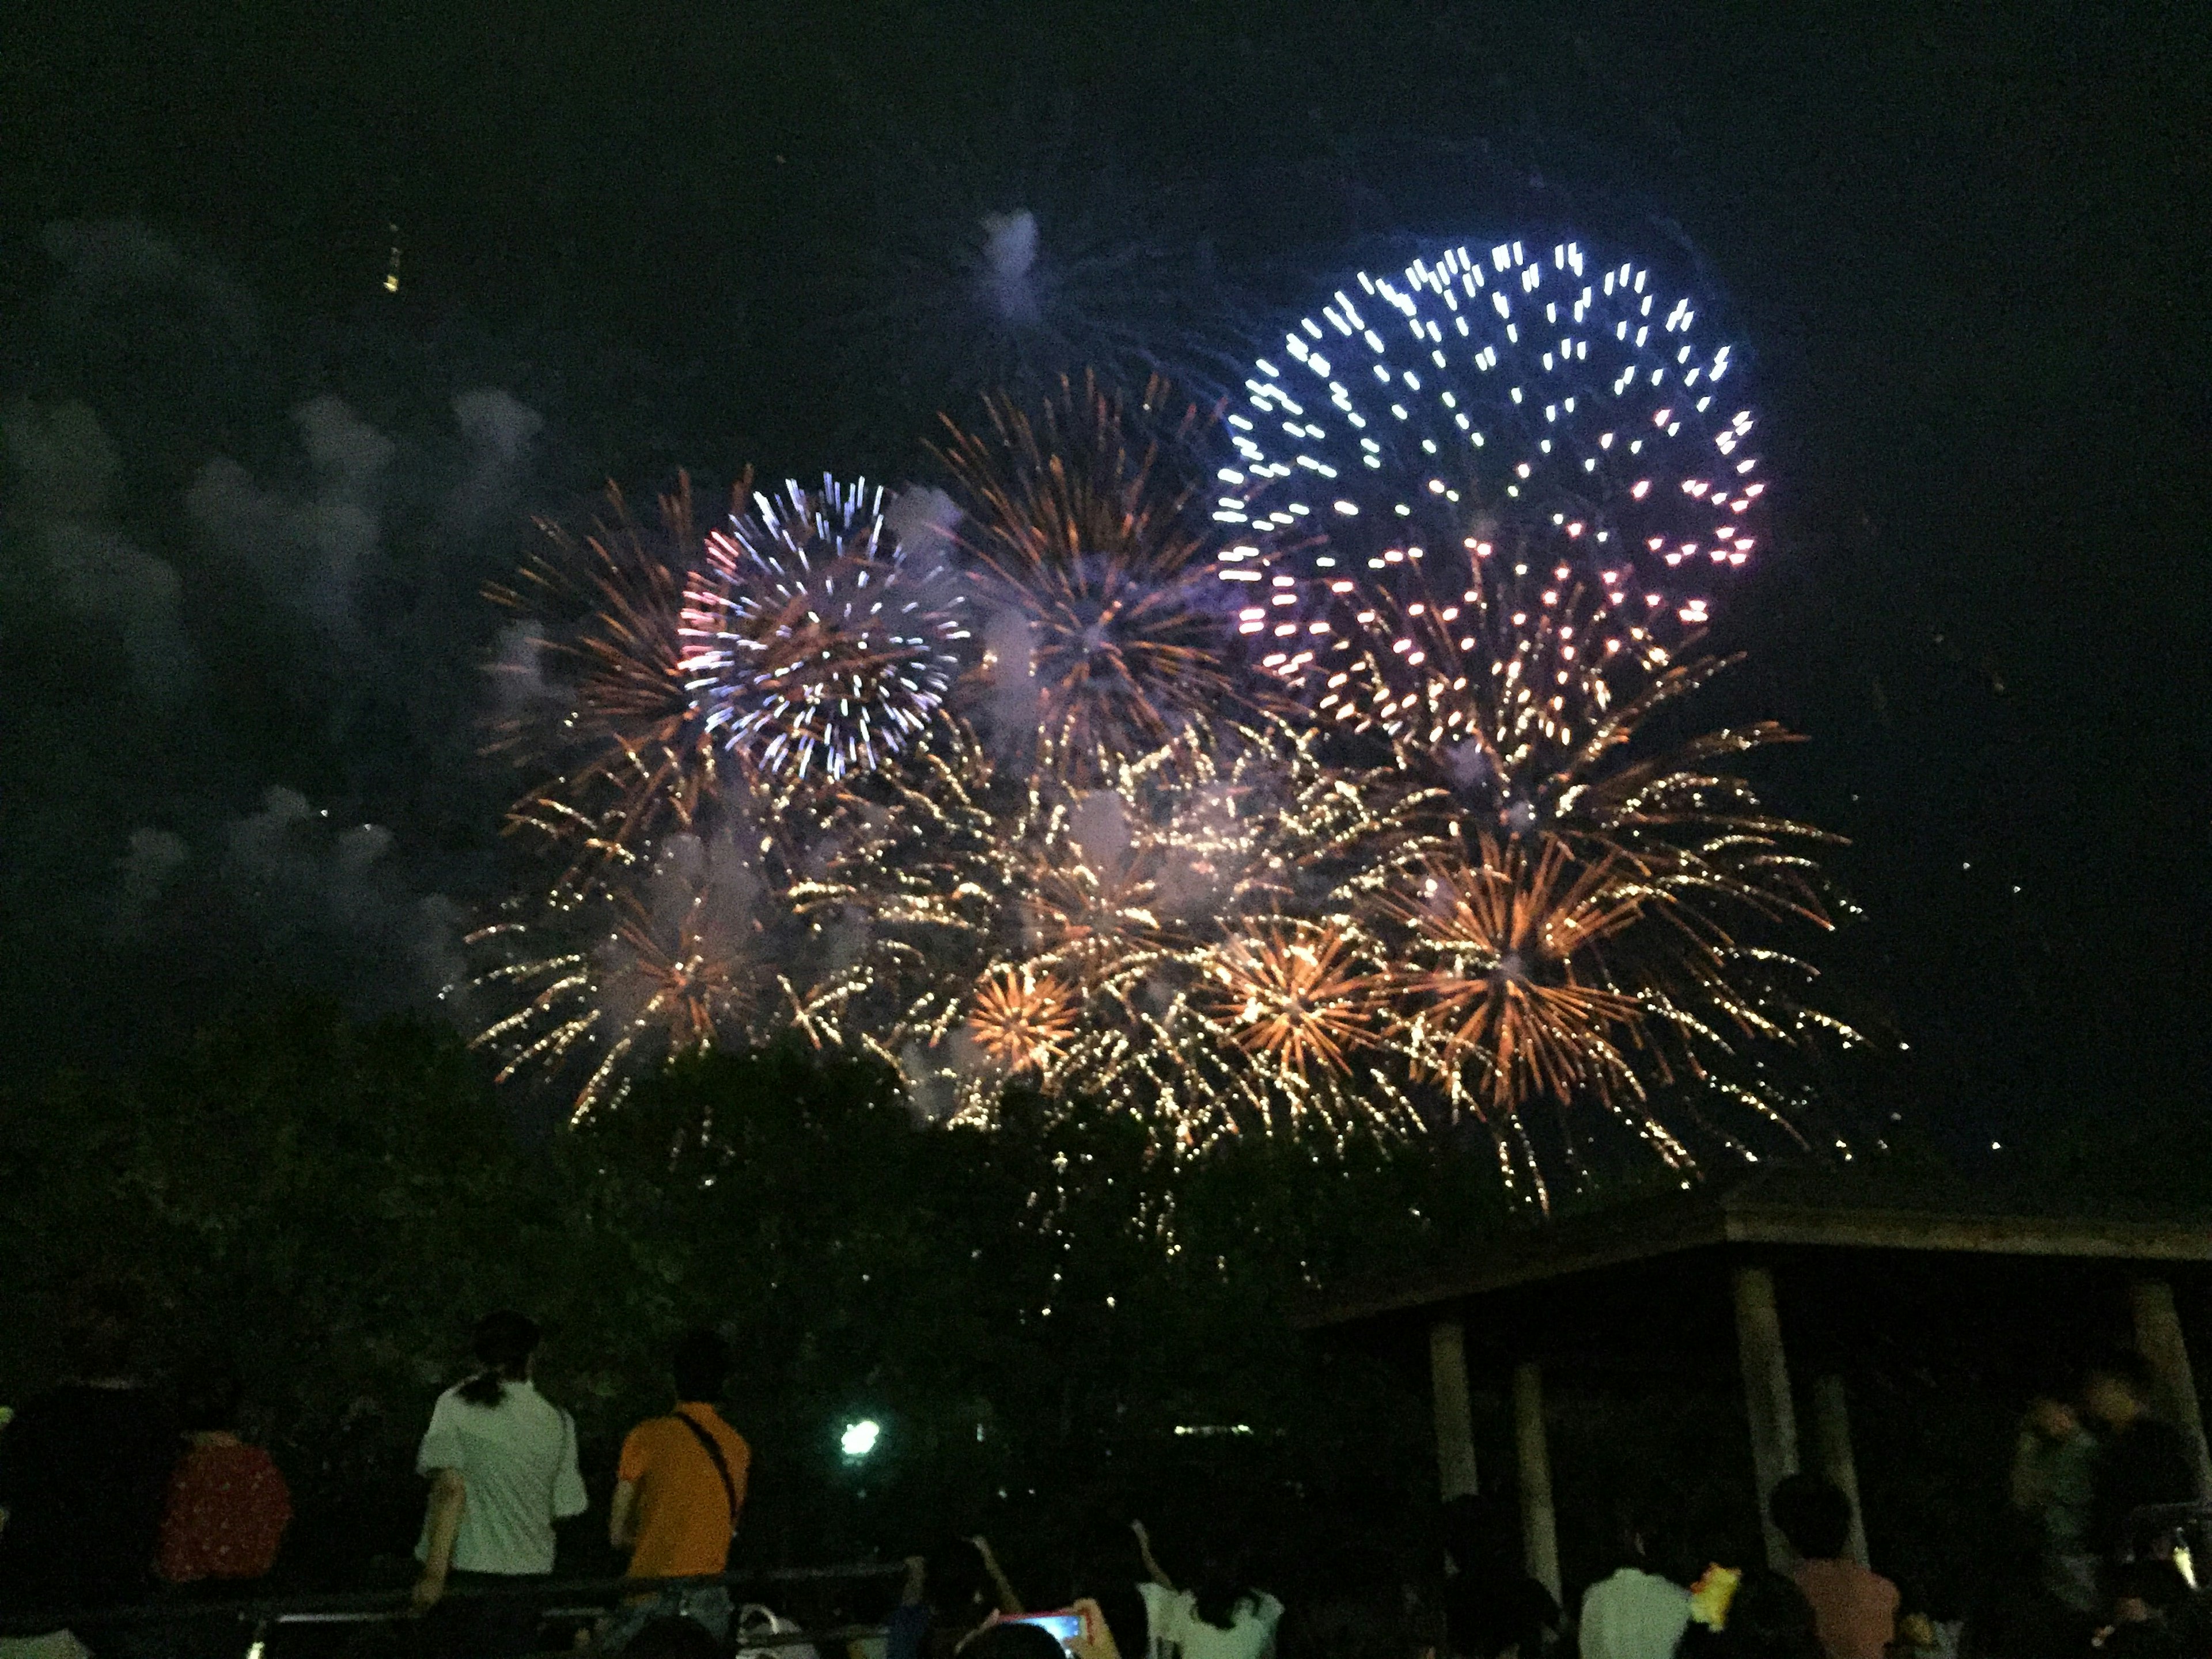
1050 1320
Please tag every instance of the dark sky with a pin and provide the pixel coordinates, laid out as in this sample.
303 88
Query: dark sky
247 517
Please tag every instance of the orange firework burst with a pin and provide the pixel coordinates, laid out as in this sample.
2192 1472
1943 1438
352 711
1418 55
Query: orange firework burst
1095 589
1023 1019
1516 1000
1297 994
634 756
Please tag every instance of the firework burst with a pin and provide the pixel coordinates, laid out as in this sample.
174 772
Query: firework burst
813 647
1432 853
1102 628
1557 411
1297 995
602 697
700 952
1024 1020
1514 988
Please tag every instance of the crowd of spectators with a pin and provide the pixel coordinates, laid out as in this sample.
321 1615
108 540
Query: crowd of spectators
112 1491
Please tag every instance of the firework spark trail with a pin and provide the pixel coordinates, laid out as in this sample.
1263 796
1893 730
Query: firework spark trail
700 951
1079 540
813 647
1296 993
1555 411
632 747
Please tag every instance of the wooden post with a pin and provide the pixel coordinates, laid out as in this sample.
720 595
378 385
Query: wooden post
2159 1341
1540 1527
1765 1396
1832 1442
1454 1418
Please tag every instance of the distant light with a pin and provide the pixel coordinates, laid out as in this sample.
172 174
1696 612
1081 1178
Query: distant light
859 1439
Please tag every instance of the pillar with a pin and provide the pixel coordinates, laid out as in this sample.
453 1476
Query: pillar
1540 1527
1766 1396
2158 1339
1831 1446
1454 1418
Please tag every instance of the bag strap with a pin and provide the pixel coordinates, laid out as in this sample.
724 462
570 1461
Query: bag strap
721 1465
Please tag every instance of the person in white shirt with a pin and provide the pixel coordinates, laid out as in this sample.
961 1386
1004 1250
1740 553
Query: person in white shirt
502 1461
1220 1617
1635 1614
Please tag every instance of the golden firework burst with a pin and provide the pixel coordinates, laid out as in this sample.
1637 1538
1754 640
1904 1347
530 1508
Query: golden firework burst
1023 1019
597 692
1513 995
1297 994
1096 593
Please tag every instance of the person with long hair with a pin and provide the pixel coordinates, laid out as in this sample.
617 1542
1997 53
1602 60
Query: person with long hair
501 1462
1221 1615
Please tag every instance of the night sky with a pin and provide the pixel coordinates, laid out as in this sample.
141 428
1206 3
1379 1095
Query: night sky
250 495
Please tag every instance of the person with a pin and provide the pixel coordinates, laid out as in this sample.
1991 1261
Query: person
1107 1574
906 1631
1635 1614
1492 1606
1767 1616
228 1505
82 1467
679 1493
2053 1485
502 1461
2141 1461
1221 1616
2149 1600
949 1598
1854 1609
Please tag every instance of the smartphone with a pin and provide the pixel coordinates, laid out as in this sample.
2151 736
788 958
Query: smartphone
1065 1627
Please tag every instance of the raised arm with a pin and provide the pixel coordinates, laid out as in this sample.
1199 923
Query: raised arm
1144 1554
1009 1603
449 1496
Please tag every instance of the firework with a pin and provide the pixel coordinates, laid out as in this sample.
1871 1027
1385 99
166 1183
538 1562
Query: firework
1507 708
1486 690
1103 932
1297 995
1514 980
1029 818
813 645
1540 410
1024 1020
699 953
1102 628
600 694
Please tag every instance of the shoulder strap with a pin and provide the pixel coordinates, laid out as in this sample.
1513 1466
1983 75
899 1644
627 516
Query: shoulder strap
721 1465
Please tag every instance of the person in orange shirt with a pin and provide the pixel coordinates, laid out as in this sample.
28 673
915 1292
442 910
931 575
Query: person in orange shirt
1854 1609
679 1490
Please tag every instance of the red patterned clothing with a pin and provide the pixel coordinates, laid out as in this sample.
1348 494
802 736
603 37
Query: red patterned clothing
227 1510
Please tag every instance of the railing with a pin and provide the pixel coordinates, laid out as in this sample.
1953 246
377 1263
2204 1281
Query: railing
260 1618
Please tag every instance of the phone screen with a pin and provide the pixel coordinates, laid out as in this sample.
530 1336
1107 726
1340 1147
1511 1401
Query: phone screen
1066 1628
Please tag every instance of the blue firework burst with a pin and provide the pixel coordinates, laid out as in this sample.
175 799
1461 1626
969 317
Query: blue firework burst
814 645
1534 408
